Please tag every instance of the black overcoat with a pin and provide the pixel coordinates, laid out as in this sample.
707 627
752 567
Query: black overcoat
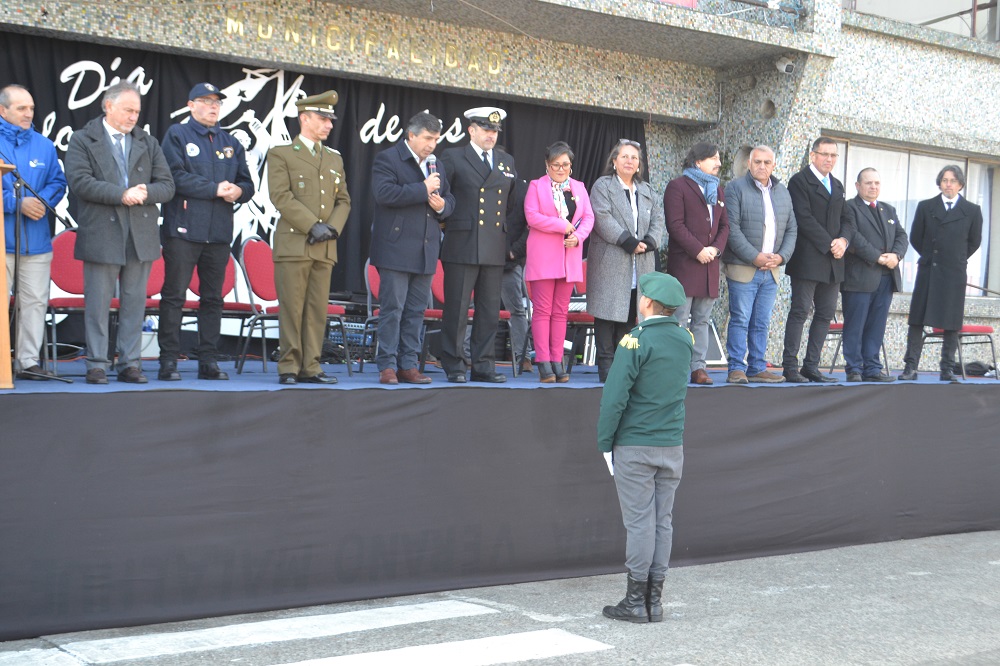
945 241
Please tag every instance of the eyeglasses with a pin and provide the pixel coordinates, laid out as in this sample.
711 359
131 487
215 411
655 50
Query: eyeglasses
628 142
562 166
209 101
826 154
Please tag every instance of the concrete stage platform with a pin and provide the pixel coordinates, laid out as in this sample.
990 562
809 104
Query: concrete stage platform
125 505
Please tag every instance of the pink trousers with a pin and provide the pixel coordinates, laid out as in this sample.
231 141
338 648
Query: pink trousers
550 306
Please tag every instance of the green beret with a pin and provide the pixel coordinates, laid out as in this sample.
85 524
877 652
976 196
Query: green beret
662 288
322 104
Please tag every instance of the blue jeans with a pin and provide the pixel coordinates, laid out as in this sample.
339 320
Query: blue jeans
402 299
750 305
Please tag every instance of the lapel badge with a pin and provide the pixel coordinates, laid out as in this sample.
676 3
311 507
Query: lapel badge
722 204
891 221
296 147
228 152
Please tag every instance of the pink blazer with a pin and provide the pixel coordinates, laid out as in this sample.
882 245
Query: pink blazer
546 257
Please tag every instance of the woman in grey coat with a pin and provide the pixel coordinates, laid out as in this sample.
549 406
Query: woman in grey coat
628 228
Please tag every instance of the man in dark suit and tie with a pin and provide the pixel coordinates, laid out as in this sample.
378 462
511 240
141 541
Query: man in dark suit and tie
946 231
473 252
411 197
871 275
817 265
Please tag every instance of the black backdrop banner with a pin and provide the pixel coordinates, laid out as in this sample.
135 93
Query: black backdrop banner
67 79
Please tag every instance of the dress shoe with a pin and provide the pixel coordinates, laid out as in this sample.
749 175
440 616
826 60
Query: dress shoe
854 377
321 378
737 377
494 378
457 378
880 378
765 377
545 373
35 373
168 372
132 375
793 376
97 376
388 377
909 374
413 376
699 376
526 366
816 376
211 370
287 379
948 376
560 371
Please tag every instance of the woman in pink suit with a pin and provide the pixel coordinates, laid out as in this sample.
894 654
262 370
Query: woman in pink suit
557 209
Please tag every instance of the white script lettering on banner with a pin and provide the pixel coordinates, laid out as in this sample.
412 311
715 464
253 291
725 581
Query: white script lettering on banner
98 82
371 131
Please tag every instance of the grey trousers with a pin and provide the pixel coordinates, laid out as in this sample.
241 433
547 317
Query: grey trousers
647 478
700 311
512 295
98 290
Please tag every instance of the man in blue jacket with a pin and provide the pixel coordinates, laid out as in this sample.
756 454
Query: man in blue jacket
211 174
37 163
411 198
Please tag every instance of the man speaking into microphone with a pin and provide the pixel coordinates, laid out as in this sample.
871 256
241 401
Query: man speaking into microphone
411 198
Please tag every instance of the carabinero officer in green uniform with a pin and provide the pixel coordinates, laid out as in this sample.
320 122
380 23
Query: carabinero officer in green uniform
307 185
642 424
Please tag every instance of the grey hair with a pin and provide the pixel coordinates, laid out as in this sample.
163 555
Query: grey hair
112 94
423 121
5 93
763 148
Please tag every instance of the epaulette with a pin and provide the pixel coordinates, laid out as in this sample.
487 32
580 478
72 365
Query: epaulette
332 150
630 341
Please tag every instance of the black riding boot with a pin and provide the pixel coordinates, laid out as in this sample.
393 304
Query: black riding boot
633 607
654 594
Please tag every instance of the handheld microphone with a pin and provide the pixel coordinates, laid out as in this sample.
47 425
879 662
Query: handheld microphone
432 167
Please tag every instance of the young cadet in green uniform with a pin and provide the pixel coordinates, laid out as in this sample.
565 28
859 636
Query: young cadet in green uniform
642 424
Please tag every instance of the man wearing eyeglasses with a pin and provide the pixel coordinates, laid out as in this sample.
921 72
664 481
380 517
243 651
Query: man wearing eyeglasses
211 175
817 265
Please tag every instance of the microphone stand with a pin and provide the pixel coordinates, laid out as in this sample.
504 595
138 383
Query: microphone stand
19 186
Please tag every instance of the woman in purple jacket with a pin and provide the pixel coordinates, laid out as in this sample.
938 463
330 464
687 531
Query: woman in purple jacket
698 227
557 209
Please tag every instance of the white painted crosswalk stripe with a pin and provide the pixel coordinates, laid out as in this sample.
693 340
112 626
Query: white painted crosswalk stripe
476 652
37 657
146 646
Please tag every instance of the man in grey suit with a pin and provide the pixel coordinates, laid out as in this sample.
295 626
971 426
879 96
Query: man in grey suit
474 248
871 274
762 236
117 174
411 197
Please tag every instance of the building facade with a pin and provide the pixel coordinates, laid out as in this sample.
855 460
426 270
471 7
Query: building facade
896 95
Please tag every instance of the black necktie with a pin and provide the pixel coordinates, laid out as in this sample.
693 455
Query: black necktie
628 196
486 160
948 205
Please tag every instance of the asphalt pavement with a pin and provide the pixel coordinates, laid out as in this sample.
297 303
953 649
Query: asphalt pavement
932 601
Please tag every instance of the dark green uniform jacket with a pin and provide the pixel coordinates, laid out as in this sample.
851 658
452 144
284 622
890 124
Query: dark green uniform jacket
643 400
